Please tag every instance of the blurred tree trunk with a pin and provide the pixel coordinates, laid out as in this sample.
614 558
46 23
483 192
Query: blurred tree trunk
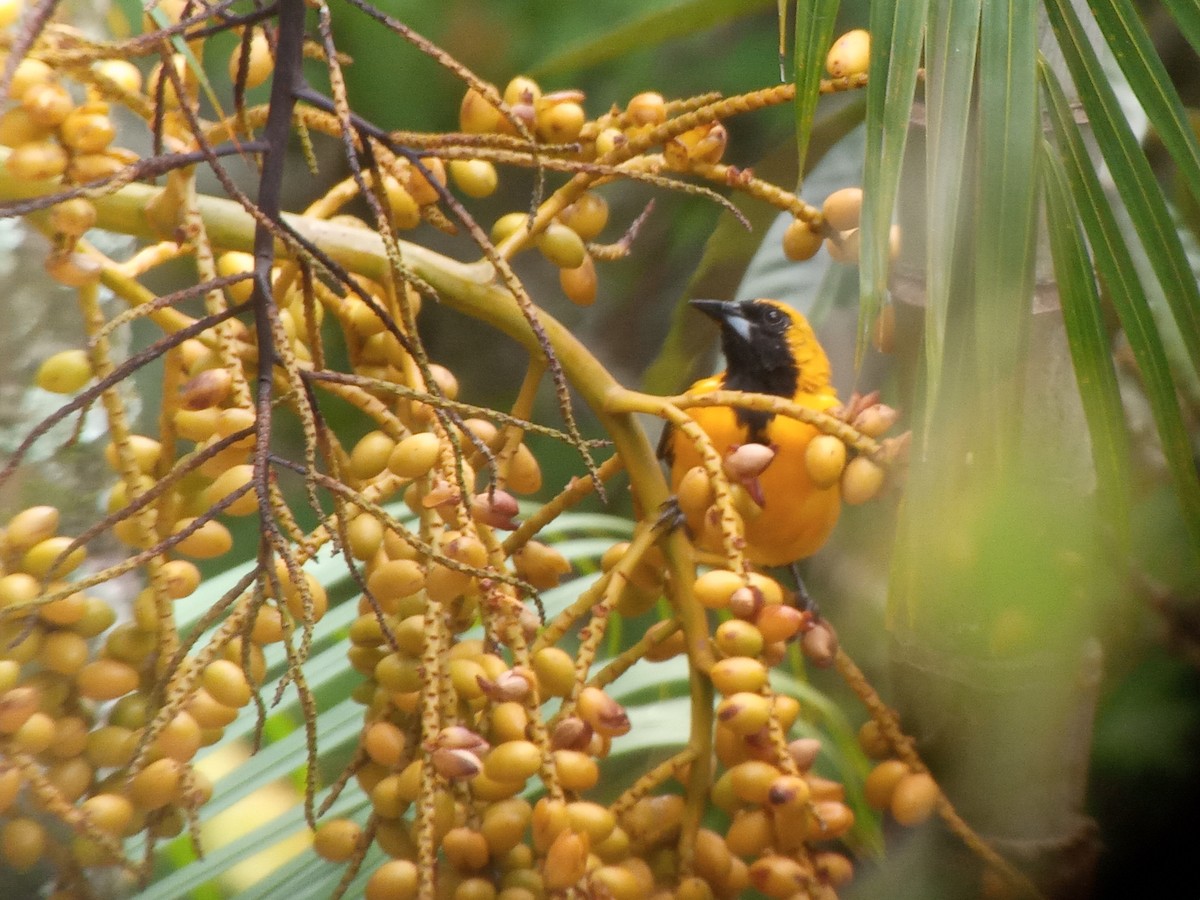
997 581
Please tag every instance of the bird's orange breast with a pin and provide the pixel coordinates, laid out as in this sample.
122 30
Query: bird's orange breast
796 517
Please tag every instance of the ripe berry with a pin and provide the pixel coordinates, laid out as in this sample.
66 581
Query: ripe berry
420 185
48 103
842 209
586 216
507 225
65 372
157 784
259 64
559 117
45 558
87 130
371 454
861 480
336 840
522 90
562 246
914 798
28 527
396 879
406 212
648 108
778 622
106 679
22 843
210 540
881 782
385 744
540 565
415 455
606 716
477 116
524 474
16 706
122 73
109 812
29 72
73 217
743 713
738 673
17 127
231 481
800 241
850 54
555 670
226 682
714 589
474 177
566 860
750 832
825 459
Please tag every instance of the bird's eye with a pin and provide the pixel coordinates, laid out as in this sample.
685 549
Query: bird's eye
774 317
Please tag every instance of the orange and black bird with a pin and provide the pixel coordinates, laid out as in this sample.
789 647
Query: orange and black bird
769 349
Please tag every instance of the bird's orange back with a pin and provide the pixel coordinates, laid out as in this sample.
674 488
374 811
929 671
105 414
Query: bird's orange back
769 348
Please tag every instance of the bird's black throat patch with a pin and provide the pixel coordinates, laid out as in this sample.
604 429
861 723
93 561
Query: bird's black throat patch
761 362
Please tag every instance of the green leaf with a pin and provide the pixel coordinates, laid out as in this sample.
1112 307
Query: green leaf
896 31
1131 173
950 42
1091 350
1187 17
337 727
215 864
1006 209
583 522
648 30
815 22
1148 78
1115 265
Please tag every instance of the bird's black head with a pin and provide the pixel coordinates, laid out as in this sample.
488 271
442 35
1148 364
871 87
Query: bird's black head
758 341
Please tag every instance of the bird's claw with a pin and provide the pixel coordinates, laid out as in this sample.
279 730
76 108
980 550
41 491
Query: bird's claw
670 516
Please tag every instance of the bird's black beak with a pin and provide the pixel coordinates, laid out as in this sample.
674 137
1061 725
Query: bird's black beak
727 314
718 310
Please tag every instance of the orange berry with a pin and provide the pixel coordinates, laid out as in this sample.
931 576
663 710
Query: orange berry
850 54
64 372
801 241
861 480
715 588
825 459
914 798
337 839
580 283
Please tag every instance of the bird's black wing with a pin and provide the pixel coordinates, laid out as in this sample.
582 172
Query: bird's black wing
664 444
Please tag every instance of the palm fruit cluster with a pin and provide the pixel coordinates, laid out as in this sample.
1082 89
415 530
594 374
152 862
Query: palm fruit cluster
79 773
481 760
